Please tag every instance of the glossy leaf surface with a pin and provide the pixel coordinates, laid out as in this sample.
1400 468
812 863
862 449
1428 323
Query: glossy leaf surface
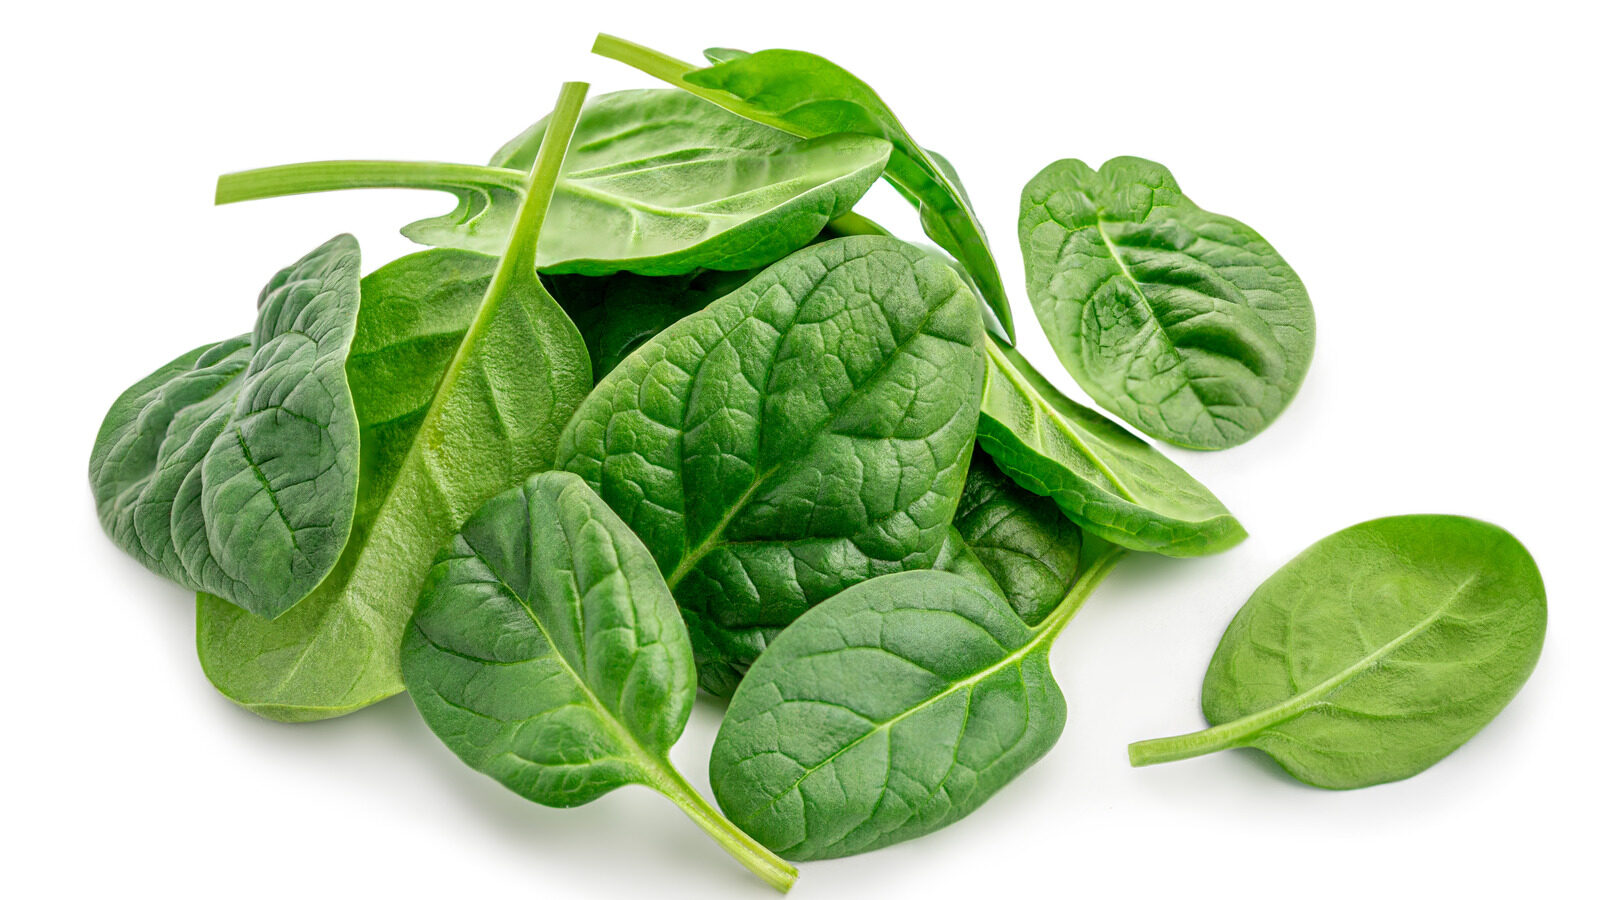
233 469
1110 482
808 96
889 711
1373 654
804 433
1021 539
1185 323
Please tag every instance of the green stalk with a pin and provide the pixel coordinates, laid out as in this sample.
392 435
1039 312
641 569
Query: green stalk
1196 743
348 174
750 853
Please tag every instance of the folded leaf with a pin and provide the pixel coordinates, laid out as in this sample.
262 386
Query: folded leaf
808 96
233 469
1111 483
444 439
1185 323
804 433
1021 539
695 188
547 653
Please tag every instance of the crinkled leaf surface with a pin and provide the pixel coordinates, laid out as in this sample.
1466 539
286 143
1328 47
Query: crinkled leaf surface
806 95
546 650
1375 653
233 469
1021 539
804 433
889 711
1185 323
1110 482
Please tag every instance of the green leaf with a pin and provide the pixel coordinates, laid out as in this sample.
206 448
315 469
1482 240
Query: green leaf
488 418
804 433
1185 323
1022 540
808 96
889 711
1373 654
233 469
547 653
657 182
1112 484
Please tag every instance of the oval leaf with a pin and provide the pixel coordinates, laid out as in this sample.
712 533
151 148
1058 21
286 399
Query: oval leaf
1373 654
804 433
1112 484
233 469
1185 323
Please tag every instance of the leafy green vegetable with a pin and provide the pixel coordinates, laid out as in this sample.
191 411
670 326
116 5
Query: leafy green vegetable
1111 483
696 188
1373 654
889 711
1185 323
804 433
1021 539
546 652
439 441
808 96
232 469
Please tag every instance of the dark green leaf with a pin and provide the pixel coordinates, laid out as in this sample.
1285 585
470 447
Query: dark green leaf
1185 323
233 469
1021 539
801 434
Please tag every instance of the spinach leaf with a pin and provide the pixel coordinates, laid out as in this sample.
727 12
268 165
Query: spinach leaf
233 469
808 96
1112 484
657 182
889 711
1373 654
1185 323
804 433
1021 539
546 652
442 441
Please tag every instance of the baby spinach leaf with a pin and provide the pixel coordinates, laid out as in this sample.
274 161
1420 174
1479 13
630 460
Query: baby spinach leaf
656 182
1021 539
804 433
1111 483
233 469
808 96
445 439
889 711
547 653
1373 654
1185 323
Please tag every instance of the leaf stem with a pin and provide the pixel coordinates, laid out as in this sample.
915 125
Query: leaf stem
518 261
1196 743
348 174
750 853
1058 618
673 71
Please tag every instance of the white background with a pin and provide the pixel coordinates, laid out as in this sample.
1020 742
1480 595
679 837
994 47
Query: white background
1429 171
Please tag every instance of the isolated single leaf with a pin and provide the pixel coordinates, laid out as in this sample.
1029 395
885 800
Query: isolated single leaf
233 469
1373 654
490 416
656 182
889 711
808 96
1185 323
1021 539
804 433
1110 482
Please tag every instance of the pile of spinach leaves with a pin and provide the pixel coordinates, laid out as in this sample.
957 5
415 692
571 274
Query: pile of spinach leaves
658 412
